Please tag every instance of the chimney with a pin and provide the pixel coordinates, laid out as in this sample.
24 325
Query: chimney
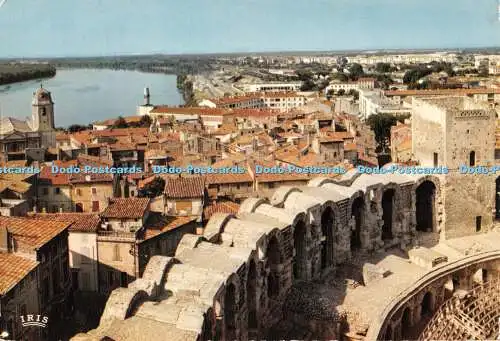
4 239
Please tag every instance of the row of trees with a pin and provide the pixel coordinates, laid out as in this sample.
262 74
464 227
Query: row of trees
17 72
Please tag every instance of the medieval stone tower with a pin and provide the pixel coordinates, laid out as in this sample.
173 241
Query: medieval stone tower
42 111
458 133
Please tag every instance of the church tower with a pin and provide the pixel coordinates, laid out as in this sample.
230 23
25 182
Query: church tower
42 111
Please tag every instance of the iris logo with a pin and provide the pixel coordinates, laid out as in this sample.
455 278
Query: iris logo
34 320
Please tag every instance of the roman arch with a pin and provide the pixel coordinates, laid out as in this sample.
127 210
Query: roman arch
231 282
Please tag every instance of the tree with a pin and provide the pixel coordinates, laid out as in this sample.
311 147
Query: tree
341 77
120 123
145 121
153 189
341 92
381 125
356 71
354 94
74 128
308 85
383 67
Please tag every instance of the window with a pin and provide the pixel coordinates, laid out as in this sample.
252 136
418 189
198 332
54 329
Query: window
94 190
57 190
116 253
43 111
45 191
472 158
132 193
78 192
478 223
95 206
435 159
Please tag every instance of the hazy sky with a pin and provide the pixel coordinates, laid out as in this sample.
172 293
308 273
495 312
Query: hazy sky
103 27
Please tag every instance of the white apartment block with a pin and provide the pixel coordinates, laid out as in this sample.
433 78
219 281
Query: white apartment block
403 58
373 102
256 87
282 101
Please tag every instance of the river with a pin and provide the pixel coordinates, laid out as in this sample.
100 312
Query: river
82 96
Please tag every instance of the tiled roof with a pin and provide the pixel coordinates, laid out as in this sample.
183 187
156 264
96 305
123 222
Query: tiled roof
33 233
193 187
163 109
56 179
220 207
126 208
157 224
231 178
80 222
13 269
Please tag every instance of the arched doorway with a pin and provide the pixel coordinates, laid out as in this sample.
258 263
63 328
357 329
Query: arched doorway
426 307
252 300
230 312
426 196
299 243
387 213
327 227
273 255
79 207
406 323
358 212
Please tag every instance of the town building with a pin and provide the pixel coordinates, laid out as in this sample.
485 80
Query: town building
23 140
35 276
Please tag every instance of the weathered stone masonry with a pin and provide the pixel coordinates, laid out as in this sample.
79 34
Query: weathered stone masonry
230 283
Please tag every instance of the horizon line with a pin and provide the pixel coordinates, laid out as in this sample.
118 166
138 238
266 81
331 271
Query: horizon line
289 52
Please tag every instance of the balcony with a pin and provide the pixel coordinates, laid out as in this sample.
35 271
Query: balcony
116 235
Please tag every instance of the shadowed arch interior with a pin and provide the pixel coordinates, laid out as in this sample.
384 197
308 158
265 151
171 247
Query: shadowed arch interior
425 197
252 298
327 243
358 212
274 259
299 242
230 312
387 213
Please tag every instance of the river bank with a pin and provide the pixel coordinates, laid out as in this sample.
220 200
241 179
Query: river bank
16 73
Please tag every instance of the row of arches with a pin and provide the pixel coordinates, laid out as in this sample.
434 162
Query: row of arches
267 278
416 315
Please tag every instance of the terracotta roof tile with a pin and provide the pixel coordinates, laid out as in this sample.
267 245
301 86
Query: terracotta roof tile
33 233
220 207
80 222
231 178
126 208
13 269
193 187
157 224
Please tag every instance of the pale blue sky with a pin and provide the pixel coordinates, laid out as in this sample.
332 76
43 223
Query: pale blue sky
31 28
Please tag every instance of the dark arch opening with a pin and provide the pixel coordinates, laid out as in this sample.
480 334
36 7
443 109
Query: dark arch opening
358 212
207 330
426 306
252 299
497 198
230 312
388 333
472 158
299 243
387 213
273 254
327 244
426 194
406 323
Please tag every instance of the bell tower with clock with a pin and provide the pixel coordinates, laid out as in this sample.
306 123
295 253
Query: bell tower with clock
42 111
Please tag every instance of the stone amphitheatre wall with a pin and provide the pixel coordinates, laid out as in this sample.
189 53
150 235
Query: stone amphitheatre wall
231 282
